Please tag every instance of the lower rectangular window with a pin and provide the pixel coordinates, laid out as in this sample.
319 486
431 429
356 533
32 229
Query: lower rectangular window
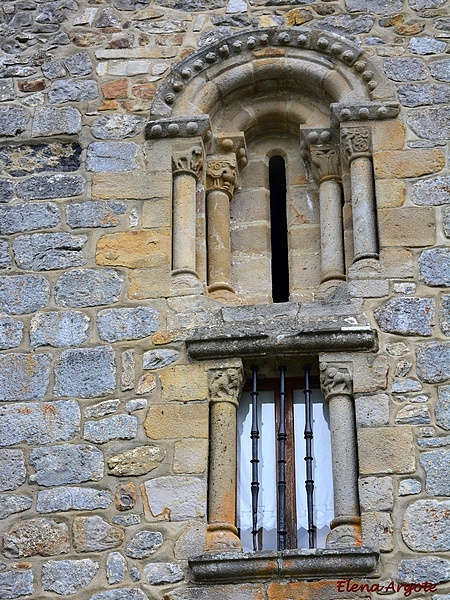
301 529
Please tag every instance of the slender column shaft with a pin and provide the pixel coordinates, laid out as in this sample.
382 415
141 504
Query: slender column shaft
219 241
331 230
184 212
363 204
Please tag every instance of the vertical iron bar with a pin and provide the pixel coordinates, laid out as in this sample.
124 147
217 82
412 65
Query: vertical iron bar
281 437
309 482
254 436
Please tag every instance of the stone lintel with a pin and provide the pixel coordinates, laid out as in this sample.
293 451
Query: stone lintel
177 127
300 564
363 111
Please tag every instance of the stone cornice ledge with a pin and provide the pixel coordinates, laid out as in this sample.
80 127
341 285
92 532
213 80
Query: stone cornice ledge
299 564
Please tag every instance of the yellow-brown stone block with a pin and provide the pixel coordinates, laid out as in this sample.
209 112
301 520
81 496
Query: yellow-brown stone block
386 450
177 421
156 213
388 135
407 163
412 226
138 186
184 382
135 249
190 456
297 16
149 283
390 193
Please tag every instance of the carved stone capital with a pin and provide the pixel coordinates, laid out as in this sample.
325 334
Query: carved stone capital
321 150
189 161
335 380
225 385
221 174
355 142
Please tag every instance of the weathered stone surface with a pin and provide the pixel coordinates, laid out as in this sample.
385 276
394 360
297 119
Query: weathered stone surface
54 69
135 249
92 214
402 368
436 464
401 164
405 69
93 534
117 126
64 464
13 120
49 251
143 544
17 583
376 493
191 542
59 329
426 45
101 409
440 69
424 4
379 7
146 383
117 324
12 469
111 156
73 498
128 370
22 294
66 577
176 498
434 267
125 496
443 407
433 361
431 192
189 421
85 372
72 91
184 383
88 287
33 537
121 594
386 450
446 220
43 187
126 520
403 386
11 333
123 427
138 461
6 190
341 24
26 217
430 568
163 573
431 123
7 91
55 121
5 258
426 527
413 415
157 359
422 94
136 404
23 160
116 566
406 316
78 64
12 504
24 376
409 487
378 530
190 456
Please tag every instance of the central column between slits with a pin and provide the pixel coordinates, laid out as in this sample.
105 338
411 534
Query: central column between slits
278 230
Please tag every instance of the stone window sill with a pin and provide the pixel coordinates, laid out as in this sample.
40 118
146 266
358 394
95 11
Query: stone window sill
239 567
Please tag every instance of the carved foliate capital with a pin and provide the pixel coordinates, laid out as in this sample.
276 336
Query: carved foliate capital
189 161
320 149
225 385
335 379
221 174
355 142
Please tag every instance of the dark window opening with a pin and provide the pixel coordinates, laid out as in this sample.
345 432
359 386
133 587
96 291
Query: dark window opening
278 230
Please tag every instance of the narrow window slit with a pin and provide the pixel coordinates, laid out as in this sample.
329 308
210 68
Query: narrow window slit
278 230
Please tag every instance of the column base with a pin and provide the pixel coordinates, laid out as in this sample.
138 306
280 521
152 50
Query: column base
223 292
222 537
365 268
345 532
186 283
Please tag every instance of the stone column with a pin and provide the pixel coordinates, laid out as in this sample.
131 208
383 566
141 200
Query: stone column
187 166
356 148
336 384
324 159
225 385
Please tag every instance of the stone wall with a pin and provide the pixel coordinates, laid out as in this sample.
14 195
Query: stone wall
104 424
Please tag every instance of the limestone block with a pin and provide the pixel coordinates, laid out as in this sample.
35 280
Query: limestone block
403 386
139 461
65 464
48 251
72 498
396 225
67 90
6 190
396 262
117 126
175 498
125 496
156 213
94 534
67 577
426 527
372 411
177 420
26 217
443 407
144 544
405 69
32 537
146 383
386 450
190 456
23 160
136 404
377 530
184 382
390 193
370 373
191 542
118 186
128 370
157 359
376 493
135 249
149 283
407 163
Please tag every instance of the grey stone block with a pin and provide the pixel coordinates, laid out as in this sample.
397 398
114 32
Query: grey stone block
426 45
22 294
17 583
6 190
67 577
34 537
66 90
372 411
436 464
126 520
72 498
422 534
403 386
67 463
446 220
54 69
128 370
413 415
6 91
136 404
88 287
405 69
13 120
55 121
85 372
117 126
433 361
423 94
157 359
11 333
30 422
138 461
24 376
431 192
425 4
12 503
434 267
116 324
183 497
378 7
107 18
376 493
101 409
26 217
431 123
49 251
111 156
443 407
5 258
343 24
59 329
78 64
91 214
163 573
440 69
406 316
94 534
121 594
12 469
123 427
143 544
409 487
116 566
429 568
43 187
